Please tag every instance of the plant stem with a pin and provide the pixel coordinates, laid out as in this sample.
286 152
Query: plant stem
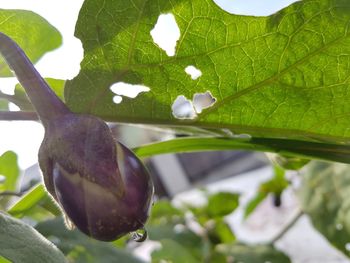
45 101
11 193
18 116
287 227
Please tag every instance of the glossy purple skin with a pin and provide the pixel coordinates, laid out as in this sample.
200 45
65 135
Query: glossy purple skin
102 186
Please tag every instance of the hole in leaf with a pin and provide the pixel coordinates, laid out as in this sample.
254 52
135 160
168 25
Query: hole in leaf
117 99
203 101
183 108
193 72
253 7
127 90
166 33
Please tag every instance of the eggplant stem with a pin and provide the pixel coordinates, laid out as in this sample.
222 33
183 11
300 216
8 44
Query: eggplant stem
45 101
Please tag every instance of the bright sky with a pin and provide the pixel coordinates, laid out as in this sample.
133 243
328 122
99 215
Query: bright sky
25 137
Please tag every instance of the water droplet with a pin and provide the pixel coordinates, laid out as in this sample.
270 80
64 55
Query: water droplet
139 235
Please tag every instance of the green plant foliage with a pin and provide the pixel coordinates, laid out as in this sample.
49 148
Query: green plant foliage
253 254
4 260
80 248
32 33
30 203
288 162
325 197
283 76
10 170
21 243
172 252
3 104
21 100
275 186
222 204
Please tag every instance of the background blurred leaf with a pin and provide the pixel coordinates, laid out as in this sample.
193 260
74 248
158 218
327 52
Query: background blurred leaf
222 204
3 104
288 162
4 260
31 32
79 247
35 198
325 196
172 251
253 254
10 170
274 186
21 243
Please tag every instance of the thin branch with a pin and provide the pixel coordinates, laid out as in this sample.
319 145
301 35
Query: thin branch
18 116
11 193
287 227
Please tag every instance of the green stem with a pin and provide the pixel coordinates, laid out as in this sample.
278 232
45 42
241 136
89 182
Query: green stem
303 149
286 228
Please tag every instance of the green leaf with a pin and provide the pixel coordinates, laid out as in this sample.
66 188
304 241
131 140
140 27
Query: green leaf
288 162
220 232
282 76
253 254
31 32
222 204
3 103
254 203
80 248
275 185
10 170
325 196
163 212
21 243
28 204
4 260
324 151
172 251
21 100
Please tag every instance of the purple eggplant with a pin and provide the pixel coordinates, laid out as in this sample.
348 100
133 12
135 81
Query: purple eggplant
102 187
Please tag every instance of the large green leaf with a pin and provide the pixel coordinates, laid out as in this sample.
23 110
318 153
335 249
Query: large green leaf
10 170
253 254
325 197
32 33
21 243
283 76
